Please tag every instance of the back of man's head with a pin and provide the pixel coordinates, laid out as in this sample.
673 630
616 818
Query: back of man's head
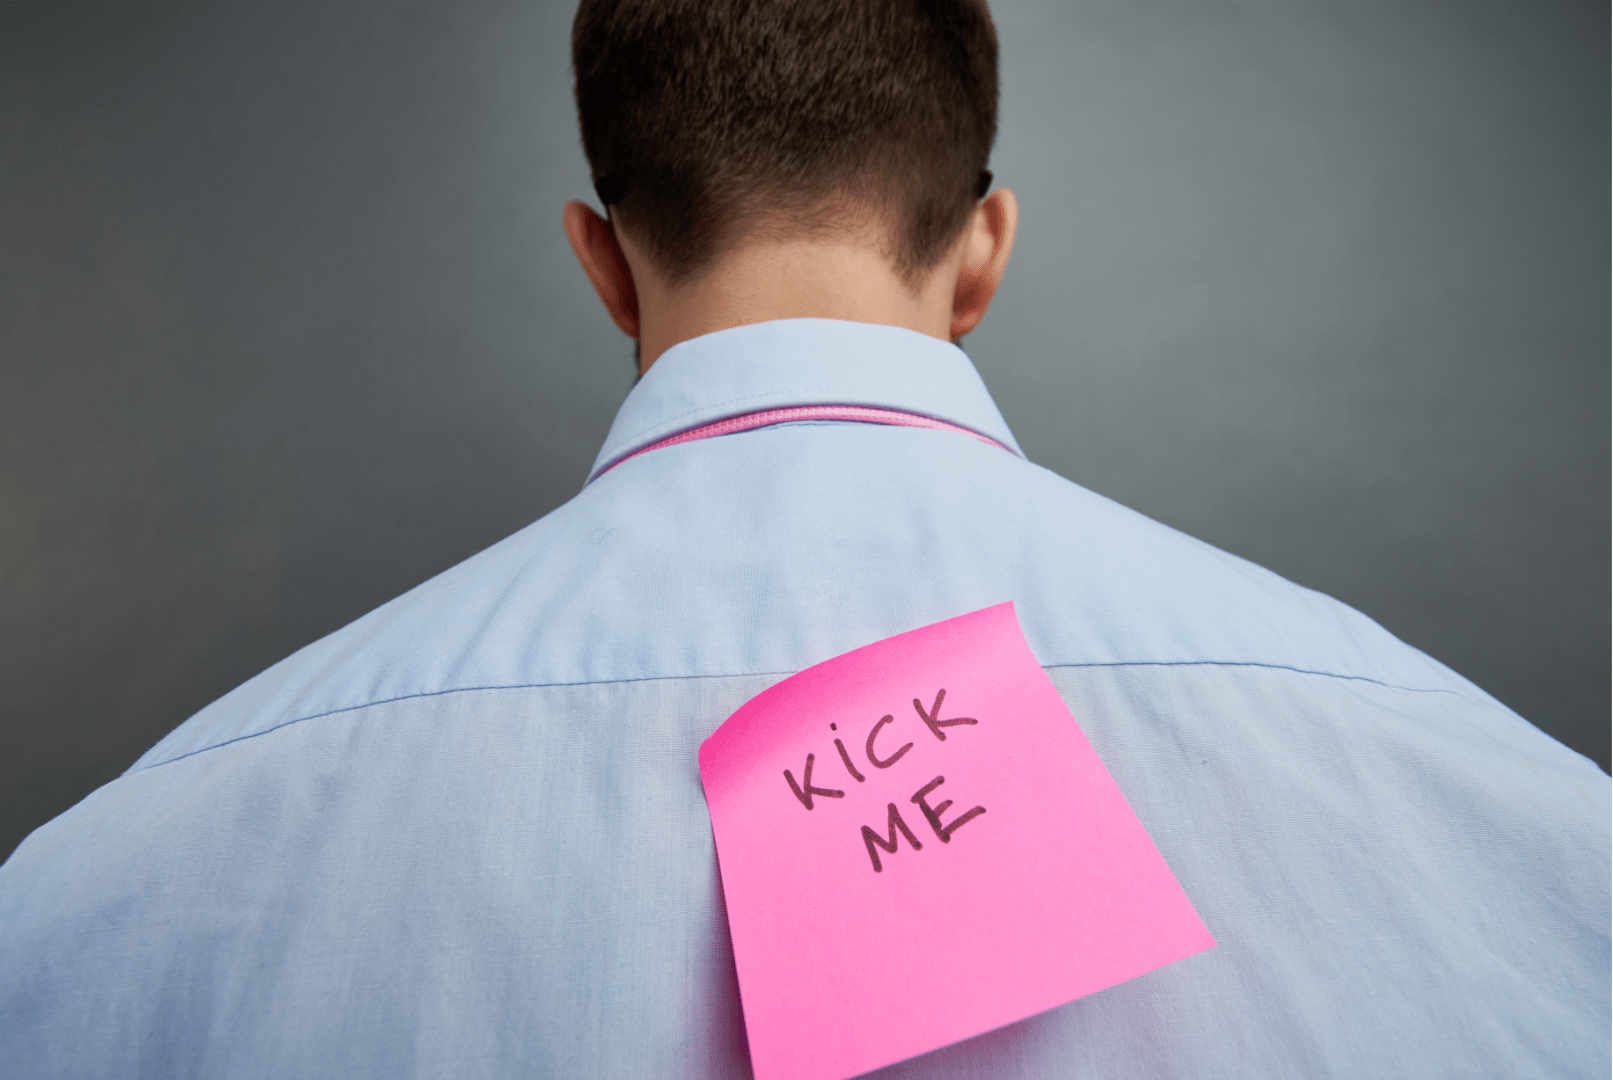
707 122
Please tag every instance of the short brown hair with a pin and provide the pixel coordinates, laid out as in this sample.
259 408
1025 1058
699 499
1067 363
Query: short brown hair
705 119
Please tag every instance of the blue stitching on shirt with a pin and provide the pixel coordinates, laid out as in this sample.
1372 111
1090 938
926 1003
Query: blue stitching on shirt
754 674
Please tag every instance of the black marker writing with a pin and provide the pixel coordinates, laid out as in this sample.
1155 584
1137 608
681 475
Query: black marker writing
873 757
933 717
893 822
806 781
932 814
852 769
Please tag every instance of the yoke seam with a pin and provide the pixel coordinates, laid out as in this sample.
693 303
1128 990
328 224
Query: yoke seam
754 674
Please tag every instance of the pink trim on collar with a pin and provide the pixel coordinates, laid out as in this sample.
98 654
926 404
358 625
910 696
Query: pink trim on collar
860 414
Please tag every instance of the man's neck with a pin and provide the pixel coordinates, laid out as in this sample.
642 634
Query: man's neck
827 278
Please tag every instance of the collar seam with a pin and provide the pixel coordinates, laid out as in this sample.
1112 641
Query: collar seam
609 453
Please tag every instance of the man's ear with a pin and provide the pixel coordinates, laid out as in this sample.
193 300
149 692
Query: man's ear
593 240
987 241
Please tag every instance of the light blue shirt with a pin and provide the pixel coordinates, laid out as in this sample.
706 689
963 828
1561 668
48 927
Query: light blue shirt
465 835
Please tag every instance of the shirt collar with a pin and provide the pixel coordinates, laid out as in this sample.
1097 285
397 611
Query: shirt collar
788 362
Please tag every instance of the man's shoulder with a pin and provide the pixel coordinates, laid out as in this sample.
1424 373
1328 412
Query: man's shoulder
1135 591
452 631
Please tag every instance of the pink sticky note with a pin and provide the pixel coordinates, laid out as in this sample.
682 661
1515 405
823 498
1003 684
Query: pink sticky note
917 845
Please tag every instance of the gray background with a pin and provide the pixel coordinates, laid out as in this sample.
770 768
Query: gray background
288 323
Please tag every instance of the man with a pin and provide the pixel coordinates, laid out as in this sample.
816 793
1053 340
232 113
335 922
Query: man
466 836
